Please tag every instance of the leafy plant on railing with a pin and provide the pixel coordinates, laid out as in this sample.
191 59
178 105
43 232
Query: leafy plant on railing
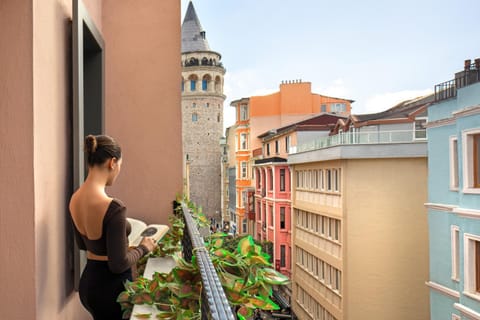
245 273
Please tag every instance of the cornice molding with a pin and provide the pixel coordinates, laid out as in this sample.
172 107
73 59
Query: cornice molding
467 311
442 289
440 206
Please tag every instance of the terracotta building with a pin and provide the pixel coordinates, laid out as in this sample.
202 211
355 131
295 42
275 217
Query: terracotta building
63 77
258 114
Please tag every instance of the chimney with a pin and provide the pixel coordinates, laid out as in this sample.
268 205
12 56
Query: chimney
467 64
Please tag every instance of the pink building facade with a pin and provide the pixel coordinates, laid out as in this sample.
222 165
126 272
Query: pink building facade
273 209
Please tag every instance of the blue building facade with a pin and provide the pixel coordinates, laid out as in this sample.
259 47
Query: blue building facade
453 132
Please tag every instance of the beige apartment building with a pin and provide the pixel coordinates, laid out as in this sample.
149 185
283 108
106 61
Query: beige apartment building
359 227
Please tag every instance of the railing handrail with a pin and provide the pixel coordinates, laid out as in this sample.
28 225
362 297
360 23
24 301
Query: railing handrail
215 305
368 137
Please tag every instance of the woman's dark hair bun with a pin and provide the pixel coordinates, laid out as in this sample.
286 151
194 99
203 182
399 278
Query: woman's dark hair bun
90 144
100 148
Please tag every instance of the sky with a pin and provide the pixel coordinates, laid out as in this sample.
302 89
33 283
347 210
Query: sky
375 52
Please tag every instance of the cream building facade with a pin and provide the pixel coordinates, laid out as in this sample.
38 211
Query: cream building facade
359 227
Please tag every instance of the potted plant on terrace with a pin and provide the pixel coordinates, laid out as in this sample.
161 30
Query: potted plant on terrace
245 272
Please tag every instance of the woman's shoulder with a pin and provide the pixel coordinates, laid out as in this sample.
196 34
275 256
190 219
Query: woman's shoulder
115 209
117 203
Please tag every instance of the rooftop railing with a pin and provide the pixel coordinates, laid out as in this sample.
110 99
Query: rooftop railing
215 305
470 75
373 137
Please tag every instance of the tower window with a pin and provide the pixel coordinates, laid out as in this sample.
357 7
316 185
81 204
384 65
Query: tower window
204 85
193 85
194 117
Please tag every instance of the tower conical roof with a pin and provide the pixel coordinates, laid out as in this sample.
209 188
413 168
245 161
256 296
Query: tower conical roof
193 36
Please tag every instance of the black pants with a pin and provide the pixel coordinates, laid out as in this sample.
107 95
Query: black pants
99 289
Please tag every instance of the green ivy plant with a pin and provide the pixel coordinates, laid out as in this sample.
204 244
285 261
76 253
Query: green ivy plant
245 272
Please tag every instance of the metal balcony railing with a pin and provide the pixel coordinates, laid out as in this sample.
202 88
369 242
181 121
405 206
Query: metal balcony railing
215 305
470 75
374 137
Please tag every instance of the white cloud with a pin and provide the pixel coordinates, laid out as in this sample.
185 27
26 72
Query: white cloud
383 101
335 89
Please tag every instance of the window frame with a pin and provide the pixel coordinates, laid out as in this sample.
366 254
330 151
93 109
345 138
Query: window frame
424 121
455 252
471 247
243 112
283 222
243 170
471 181
454 170
282 179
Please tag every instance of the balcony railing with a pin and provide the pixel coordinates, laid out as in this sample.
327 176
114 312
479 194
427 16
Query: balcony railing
373 137
470 75
215 305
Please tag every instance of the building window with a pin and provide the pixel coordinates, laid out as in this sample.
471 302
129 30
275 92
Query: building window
454 163
328 178
204 84
270 179
193 84
270 216
321 181
338 107
471 161
243 112
276 146
455 243
194 105
268 149
472 265
243 141
243 199
336 180
243 170
420 130
244 225
323 108
287 144
282 256
194 117
282 217
282 179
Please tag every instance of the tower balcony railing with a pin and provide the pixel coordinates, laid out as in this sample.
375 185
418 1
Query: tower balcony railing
372 137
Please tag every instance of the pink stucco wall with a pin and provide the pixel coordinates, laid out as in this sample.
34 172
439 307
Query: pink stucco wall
143 98
35 138
273 200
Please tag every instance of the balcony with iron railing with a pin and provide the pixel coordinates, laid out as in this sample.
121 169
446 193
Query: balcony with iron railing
470 75
214 304
358 138
213 301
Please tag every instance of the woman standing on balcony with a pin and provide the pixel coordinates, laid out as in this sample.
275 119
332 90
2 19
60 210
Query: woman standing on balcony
101 228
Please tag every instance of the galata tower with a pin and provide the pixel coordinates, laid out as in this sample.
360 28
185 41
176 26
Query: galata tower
202 115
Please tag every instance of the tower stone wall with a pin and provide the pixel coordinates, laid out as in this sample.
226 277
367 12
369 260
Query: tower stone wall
202 116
